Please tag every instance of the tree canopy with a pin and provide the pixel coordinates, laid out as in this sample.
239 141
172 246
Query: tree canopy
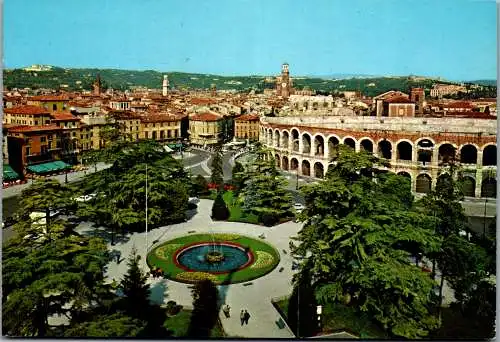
359 233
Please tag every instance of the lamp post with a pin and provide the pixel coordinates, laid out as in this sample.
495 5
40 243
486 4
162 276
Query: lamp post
146 254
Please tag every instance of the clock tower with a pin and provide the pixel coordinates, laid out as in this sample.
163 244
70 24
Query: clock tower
283 82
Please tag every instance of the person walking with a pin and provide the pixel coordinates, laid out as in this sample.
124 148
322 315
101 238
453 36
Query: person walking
226 311
242 317
246 317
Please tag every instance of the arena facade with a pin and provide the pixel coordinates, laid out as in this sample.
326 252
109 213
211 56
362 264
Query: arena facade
415 147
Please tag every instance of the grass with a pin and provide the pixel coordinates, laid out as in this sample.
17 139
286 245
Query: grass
162 256
339 317
179 325
235 210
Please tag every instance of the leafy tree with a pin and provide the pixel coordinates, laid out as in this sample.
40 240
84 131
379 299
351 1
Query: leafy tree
121 190
115 325
302 316
217 176
200 185
220 211
51 198
239 177
359 233
59 277
135 288
205 309
265 193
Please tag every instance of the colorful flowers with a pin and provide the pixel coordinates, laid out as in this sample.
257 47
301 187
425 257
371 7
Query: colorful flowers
196 276
263 260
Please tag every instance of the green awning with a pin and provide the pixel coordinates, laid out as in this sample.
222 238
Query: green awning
49 167
9 173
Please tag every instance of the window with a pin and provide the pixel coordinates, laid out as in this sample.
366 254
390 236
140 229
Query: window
74 134
169 135
50 137
36 122
43 139
91 134
28 151
147 135
54 107
44 149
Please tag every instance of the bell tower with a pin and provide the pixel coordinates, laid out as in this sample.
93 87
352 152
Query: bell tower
283 82
97 85
165 85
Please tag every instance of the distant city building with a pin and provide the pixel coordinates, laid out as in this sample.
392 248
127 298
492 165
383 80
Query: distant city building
439 90
205 129
417 95
38 67
165 85
284 82
247 127
97 85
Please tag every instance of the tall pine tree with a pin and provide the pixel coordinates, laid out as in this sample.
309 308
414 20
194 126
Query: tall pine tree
217 176
135 288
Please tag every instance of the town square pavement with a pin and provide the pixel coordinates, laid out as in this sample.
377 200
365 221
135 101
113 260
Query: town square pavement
256 298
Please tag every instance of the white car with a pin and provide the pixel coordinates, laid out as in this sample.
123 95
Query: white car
298 207
85 198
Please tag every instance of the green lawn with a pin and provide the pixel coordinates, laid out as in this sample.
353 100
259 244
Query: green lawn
236 213
179 325
266 258
337 317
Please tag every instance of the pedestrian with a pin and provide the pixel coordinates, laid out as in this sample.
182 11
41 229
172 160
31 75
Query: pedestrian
246 316
242 317
226 311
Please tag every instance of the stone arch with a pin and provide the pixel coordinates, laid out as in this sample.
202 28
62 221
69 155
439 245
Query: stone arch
295 134
277 160
468 186
277 138
489 187
294 164
419 141
423 183
468 154
385 149
425 147
319 145
306 168
284 163
349 141
270 137
404 150
442 178
306 143
446 153
490 155
404 174
319 170
286 138
333 141
366 144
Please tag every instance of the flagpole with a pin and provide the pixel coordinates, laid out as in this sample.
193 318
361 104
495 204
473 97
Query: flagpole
146 255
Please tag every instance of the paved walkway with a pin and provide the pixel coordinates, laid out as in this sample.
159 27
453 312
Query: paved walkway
255 298
72 177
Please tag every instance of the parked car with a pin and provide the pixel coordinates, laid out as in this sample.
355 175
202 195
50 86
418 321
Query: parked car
298 207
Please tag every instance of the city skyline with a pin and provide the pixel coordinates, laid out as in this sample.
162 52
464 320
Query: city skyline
253 38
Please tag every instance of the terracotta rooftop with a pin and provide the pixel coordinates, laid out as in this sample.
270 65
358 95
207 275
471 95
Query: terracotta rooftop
202 101
248 117
27 109
459 104
49 98
63 116
205 117
398 99
28 129
159 118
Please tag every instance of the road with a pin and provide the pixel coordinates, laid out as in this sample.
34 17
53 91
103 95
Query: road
198 162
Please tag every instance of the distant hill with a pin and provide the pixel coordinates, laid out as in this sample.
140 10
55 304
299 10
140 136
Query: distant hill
492 83
78 79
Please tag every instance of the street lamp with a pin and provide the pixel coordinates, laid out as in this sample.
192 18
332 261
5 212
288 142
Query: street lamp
146 254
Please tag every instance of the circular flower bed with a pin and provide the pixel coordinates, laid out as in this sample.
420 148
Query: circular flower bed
239 258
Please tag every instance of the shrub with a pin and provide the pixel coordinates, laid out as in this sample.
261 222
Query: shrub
269 219
200 185
219 209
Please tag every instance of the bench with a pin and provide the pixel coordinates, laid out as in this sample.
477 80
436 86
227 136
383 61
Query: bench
248 284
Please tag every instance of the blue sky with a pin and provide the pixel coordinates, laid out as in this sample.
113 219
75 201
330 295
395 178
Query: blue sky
455 39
